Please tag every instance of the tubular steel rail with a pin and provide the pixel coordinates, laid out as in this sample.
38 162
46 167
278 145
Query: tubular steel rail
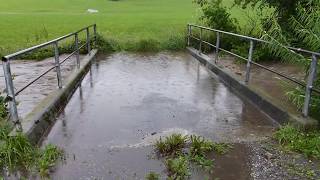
11 94
313 66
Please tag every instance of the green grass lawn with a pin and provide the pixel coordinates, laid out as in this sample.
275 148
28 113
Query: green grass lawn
28 22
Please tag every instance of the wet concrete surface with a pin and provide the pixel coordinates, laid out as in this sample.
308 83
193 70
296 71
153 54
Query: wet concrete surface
127 101
24 71
269 84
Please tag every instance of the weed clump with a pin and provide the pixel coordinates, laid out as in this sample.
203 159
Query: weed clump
18 154
48 158
152 176
171 145
178 168
291 138
180 151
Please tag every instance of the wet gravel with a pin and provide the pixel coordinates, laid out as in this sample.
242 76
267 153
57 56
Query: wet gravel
270 162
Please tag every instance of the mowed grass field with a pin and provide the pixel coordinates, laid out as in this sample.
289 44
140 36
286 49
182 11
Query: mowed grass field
28 22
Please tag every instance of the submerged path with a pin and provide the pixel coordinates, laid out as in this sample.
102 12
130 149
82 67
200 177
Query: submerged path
127 101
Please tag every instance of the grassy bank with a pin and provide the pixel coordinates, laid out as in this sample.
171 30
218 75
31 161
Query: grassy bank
127 24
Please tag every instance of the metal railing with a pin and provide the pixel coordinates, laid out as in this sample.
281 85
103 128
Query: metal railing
313 65
11 94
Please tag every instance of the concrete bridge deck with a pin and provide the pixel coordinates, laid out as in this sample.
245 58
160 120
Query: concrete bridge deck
127 101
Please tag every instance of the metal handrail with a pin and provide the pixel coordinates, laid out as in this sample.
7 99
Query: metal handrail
24 51
7 70
259 65
254 39
309 86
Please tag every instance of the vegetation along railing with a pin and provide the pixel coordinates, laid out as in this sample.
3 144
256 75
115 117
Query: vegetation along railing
10 90
313 66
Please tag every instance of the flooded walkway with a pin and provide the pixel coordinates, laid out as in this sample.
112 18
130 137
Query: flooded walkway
24 71
127 101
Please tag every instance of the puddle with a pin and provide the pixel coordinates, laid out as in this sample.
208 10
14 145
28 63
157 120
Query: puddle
127 101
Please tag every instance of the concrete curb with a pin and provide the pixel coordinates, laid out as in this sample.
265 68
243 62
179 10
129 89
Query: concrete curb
275 112
39 121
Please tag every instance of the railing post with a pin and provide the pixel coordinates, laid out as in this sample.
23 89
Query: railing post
76 46
248 68
189 34
95 34
200 45
217 48
311 78
57 64
88 41
10 91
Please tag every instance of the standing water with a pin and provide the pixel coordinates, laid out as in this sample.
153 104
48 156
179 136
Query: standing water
127 101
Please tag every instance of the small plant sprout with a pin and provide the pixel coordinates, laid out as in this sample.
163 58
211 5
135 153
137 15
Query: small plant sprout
171 145
152 176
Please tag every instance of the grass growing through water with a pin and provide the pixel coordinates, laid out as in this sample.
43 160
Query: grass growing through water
152 176
178 167
18 154
171 145
294 139
181 151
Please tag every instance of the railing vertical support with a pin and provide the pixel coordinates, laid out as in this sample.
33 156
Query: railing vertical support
200 44
248 67
57 64
95 34
10 91
76 46
217 48
88 41
189 34
309 86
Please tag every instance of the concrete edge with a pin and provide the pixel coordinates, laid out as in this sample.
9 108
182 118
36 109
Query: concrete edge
279 115
40 120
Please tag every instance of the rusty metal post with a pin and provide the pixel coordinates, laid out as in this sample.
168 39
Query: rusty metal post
76 46
10 91
248 67
311 78
57 64
217 48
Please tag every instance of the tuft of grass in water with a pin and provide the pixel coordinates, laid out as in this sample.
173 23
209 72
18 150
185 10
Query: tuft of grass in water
200 146
47 159
178 168
171 145
152 176
221 148
203 162
17 153
291 138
